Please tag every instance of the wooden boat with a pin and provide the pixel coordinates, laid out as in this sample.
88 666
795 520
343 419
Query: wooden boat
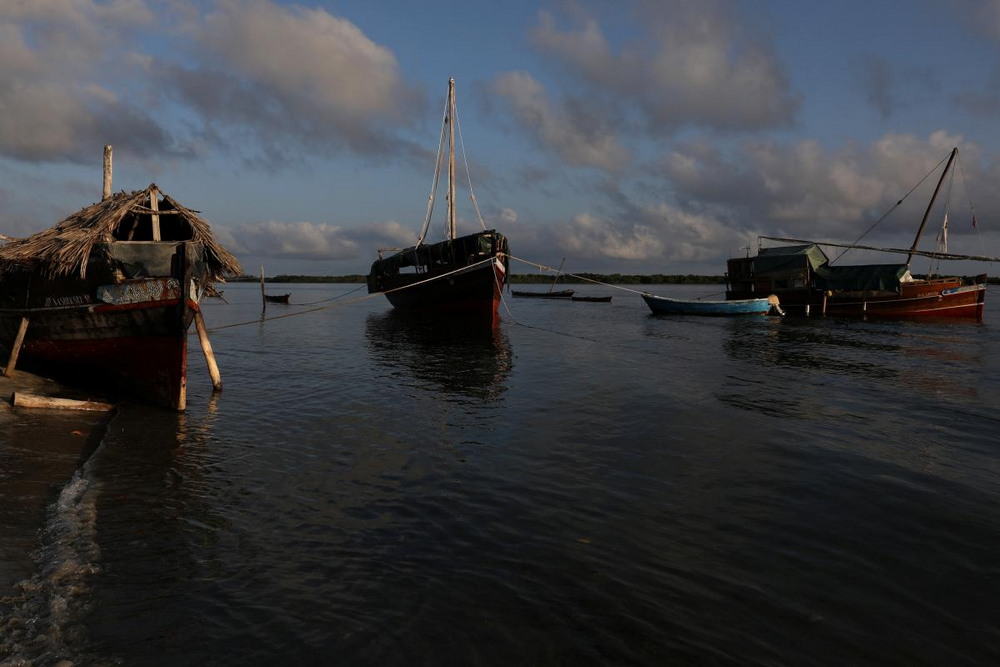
460 275
807 282
277 298
557 294
110 292
661 305
593 299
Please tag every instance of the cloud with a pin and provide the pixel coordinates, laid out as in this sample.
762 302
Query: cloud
807 191
695 66
57 101
581 138
312 241
292 73
167 79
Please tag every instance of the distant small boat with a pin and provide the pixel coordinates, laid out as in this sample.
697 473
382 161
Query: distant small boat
557 294
661 305
276 298
593 299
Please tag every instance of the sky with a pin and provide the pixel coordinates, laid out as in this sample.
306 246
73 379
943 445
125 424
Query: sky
645 136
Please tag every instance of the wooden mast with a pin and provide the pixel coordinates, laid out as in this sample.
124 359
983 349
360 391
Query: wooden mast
451 158
913 248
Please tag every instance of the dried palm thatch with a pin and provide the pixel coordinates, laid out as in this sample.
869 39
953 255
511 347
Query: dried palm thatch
64 250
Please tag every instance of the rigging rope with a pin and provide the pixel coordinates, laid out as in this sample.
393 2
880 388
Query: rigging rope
357 300
437 178
886 214
468 174
503 300
972 210
516 321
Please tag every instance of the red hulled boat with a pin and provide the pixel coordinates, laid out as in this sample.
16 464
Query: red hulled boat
107 295
806 282
461 275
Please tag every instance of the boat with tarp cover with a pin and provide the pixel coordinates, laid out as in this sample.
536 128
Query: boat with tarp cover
460 275
807 282
108 294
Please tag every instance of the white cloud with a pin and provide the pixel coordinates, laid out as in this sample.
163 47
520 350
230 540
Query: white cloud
293 73
313 241
256 77
588 237
59 58
808 191
579 137
697 65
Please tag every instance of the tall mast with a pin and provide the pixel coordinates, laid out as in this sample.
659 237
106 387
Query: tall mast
951 158
451 158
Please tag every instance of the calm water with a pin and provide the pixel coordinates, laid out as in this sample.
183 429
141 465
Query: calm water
585 484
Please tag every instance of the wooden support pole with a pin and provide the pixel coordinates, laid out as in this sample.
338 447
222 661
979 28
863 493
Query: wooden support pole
206 347
22 400
154 205
16 347
262 297
107 173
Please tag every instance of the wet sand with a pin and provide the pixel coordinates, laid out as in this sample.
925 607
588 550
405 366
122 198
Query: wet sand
40 450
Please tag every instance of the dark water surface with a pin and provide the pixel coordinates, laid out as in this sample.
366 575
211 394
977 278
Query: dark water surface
585 484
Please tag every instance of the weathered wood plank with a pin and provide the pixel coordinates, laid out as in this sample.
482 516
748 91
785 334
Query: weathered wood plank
23 400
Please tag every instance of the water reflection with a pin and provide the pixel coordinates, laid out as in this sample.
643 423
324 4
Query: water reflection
159 526
456 355
798 362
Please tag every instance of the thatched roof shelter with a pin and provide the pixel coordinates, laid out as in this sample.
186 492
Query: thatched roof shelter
64 250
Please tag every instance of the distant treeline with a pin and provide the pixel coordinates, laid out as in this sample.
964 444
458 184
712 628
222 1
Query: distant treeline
352 278
613 278
620 279
540 278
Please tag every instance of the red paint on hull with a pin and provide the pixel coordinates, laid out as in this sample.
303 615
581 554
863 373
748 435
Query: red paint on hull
473 292
943 298
138 348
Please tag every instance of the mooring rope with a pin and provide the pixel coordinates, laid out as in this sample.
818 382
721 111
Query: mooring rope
578 277
332 298
261 320
503 300
516 321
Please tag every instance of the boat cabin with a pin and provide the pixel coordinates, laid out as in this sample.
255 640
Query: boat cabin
804 269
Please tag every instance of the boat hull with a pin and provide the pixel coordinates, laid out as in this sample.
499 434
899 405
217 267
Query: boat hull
464 276
560 294
937 298
661 305
277 298
128 337
475 291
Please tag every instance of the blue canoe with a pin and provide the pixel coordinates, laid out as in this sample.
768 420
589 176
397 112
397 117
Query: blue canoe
661 305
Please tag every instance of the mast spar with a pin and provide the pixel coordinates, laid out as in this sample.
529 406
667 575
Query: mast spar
451 159
930 205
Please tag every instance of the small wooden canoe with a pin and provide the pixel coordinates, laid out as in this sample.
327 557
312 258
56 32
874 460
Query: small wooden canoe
593 299
558 294
276 298
661 305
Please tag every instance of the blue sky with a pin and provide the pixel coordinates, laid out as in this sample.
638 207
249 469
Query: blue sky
634 137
